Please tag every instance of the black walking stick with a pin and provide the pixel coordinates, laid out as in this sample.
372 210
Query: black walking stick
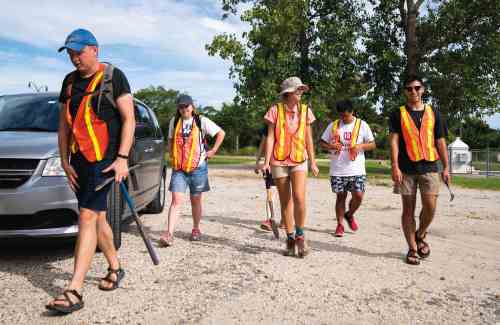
269 205
126 196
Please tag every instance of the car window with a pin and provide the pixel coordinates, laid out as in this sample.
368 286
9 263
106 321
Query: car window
144 125
29 113
156 124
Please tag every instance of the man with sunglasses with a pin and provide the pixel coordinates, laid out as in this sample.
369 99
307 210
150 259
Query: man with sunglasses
347 139
417 138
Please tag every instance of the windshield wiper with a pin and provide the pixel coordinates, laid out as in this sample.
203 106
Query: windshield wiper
36 129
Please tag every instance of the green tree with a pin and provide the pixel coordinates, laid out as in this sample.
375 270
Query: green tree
456 46
162 101
312 39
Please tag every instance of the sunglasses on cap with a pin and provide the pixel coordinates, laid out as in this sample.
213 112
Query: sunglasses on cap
182 106
410 88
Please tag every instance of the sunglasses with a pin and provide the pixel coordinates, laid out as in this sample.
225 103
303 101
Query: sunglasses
182 106
410 88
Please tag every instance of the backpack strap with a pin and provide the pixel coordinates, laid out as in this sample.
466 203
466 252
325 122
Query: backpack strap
106 87
69 84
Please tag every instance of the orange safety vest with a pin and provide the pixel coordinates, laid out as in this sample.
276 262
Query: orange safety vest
420 144
89 133
354 136
288 145
186 153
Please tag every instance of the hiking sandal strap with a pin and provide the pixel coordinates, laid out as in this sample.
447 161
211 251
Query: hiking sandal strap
66 297
111 271
417 238
412 253
420 240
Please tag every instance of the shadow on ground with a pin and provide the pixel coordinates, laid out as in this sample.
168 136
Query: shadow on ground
34 259
256 249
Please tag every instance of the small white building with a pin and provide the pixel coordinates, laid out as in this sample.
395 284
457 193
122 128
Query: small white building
460 157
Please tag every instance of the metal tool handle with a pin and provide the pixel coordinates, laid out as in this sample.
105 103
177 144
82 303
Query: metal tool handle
145 238
110 179
452 195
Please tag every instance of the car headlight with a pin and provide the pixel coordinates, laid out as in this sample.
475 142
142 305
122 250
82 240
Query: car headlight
53 167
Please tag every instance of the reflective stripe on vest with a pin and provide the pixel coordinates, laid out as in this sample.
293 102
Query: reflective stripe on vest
420 144
89 133
354 136
186 153
288 145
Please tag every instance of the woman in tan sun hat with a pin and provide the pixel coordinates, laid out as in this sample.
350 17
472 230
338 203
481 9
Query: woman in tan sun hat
289 146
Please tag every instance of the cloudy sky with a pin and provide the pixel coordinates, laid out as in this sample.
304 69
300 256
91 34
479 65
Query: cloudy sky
155 42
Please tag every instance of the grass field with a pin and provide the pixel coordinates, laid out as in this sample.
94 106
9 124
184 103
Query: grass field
378 171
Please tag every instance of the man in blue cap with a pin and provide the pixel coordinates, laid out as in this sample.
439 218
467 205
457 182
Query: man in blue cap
96 130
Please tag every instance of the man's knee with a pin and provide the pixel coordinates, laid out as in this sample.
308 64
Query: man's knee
87 218
358 196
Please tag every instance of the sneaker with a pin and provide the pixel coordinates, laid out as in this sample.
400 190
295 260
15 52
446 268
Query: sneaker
351 221
339 232
195 235
302 247
266 225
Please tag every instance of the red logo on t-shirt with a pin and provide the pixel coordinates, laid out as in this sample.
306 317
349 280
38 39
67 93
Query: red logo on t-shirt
347 136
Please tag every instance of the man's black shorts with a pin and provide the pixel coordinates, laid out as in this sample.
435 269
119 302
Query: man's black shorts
89 176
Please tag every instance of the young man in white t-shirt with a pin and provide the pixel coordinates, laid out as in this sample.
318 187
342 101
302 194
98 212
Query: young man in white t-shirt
347 142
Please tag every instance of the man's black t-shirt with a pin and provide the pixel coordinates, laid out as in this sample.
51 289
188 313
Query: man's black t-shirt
107 111
405 164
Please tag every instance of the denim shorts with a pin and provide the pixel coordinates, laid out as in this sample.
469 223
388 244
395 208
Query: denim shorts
344 184
89 176
197 180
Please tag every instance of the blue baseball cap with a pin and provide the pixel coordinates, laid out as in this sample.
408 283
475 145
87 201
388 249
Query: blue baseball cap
78 39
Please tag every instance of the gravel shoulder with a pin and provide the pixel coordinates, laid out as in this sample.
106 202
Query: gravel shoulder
237 275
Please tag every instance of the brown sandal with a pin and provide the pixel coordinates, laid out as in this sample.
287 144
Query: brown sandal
412 257
120 274
302 248
290 247
72 306
421 245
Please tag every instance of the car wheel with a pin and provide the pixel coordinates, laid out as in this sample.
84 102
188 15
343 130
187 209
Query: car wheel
114 214
157 205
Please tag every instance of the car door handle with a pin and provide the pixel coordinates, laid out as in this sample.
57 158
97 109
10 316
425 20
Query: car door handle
150 149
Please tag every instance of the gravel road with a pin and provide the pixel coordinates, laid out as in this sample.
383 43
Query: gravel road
237 275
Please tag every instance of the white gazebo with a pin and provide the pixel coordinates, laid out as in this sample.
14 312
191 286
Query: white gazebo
460 157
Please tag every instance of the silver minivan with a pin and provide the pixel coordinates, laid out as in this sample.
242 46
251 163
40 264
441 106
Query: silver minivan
35 199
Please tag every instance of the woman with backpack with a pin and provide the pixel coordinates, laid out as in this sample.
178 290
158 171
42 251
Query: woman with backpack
189 153
289 147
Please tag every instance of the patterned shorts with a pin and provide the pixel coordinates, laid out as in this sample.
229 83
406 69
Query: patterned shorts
343 184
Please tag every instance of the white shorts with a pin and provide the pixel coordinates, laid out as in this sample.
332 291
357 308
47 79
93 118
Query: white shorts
285 171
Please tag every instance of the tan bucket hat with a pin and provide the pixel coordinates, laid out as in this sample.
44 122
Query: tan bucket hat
290 85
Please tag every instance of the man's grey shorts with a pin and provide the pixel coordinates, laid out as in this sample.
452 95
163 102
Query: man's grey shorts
197 180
